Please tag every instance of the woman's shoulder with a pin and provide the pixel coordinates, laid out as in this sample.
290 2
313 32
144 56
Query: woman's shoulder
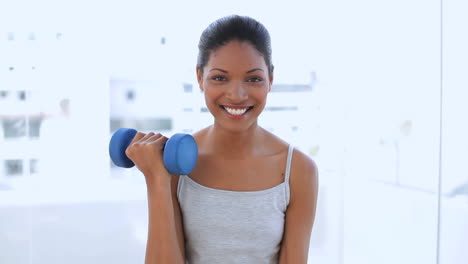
303 167
274 140
304 176
199 135
201 132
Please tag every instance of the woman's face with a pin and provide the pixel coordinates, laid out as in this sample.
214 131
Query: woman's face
235 82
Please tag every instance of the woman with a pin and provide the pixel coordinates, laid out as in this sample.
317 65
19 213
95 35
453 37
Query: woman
251 197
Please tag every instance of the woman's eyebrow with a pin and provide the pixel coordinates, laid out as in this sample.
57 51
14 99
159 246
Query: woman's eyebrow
256 69
217 69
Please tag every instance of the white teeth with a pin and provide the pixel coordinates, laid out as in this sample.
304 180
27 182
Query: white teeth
235 111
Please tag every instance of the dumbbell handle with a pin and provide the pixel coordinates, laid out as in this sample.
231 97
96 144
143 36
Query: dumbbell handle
179 157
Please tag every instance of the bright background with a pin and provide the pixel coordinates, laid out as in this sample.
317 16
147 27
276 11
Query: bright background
373 91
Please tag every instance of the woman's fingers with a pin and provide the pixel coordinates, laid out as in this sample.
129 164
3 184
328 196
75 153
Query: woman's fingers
137 137
143 139
160 139
137 140
145 150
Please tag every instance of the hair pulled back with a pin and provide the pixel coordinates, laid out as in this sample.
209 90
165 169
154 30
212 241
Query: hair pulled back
234 27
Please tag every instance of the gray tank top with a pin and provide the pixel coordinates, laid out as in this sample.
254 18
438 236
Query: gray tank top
222 226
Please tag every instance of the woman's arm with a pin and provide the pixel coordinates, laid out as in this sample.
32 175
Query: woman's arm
165 238
300 214
178 216
164 226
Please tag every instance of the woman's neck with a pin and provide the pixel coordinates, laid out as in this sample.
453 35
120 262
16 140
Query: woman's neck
233 144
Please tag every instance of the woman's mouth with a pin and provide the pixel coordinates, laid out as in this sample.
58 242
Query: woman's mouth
237 112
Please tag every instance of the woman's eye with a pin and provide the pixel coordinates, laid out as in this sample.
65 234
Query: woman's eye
219 78
254 79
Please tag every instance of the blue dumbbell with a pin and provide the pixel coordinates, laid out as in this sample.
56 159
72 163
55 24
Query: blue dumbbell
180 151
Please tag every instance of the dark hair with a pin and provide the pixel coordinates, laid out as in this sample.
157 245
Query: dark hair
234 27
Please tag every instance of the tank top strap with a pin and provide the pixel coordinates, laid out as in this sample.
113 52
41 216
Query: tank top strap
287 172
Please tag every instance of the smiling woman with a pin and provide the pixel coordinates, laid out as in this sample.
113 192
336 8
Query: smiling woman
232 85
252 196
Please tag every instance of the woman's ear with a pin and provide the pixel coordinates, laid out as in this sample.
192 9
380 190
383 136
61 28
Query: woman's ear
271 80
200 78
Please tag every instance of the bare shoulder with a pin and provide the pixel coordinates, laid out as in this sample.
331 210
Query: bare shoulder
199 135
303 164
304 172
304 176
201 132
275 144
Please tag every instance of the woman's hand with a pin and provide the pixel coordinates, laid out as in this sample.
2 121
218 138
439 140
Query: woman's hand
146 151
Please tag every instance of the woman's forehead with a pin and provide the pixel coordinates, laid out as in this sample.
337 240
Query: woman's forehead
236 56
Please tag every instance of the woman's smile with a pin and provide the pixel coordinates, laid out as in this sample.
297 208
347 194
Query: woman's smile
236 112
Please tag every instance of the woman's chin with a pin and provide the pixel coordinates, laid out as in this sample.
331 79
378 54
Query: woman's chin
236 128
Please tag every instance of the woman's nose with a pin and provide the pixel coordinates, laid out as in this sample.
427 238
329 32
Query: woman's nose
237 92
